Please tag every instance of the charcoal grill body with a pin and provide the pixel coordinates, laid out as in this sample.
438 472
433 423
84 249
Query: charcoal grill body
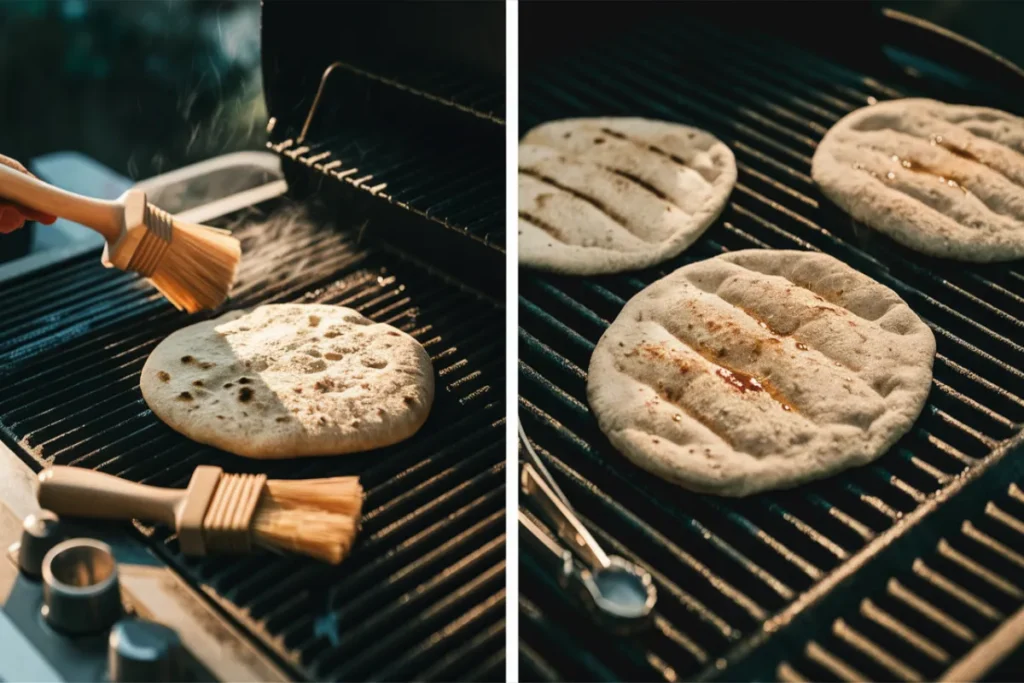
819 582
374 219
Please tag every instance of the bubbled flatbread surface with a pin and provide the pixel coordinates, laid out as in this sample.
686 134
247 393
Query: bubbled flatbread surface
290 380
606 195
760 370
945 180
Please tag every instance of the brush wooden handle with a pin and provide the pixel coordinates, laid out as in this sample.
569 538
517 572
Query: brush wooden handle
83 493
104 217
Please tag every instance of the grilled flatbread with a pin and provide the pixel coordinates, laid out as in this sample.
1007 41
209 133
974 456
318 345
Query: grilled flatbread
945 180
290 380
606 195
760 370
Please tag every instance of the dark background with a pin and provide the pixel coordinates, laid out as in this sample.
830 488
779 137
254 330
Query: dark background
142 86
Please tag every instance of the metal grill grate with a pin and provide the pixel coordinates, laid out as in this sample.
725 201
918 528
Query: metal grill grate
933 614
426 577
725 567
413 169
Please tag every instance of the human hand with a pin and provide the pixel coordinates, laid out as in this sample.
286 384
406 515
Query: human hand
13 216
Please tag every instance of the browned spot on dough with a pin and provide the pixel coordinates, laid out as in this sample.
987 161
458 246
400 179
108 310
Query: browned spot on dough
197 383
542 199
184 396
163 376
409 400
356 423
297 390
661 352
206 366
331 334
187 359
323 420
801 346
220 417
244 380
314 320
245 394
229 385
324 384
283 418
380 411
331 355
394 334
740 380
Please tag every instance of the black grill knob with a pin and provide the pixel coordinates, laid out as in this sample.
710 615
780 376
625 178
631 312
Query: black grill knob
81 593
143 650
39 534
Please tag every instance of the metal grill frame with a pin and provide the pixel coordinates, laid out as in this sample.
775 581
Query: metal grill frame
552 369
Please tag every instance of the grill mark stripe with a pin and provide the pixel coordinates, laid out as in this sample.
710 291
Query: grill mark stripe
657 150
687 411
892 185
792 335
544 226
975 160
600 206
644 185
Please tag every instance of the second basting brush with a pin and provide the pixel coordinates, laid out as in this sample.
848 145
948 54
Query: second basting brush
220 512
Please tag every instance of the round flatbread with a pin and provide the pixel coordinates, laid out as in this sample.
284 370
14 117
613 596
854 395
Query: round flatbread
945 180
607 195
290 380
760 370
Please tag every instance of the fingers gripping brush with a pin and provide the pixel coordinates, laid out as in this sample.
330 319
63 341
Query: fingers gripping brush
220 512
193 266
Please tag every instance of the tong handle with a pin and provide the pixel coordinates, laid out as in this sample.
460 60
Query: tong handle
566 523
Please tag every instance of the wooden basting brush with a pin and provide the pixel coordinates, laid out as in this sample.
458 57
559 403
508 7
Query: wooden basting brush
192 265
220 512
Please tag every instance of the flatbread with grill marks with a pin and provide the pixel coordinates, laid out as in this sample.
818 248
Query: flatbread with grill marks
944 180
290 380
606 195
759 370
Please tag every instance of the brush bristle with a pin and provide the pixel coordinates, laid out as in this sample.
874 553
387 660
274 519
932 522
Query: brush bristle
198 268
314 517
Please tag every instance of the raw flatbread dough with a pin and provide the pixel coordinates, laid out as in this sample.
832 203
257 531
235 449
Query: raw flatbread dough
945 180
290 380
760 370
607 195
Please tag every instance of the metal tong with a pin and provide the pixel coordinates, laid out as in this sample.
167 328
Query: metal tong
619 593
